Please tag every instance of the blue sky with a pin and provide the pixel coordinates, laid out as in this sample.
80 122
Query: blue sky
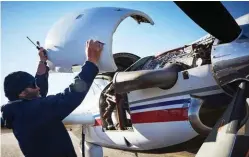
20 19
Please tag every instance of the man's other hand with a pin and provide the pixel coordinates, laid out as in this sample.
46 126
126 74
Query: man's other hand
93 50
42 55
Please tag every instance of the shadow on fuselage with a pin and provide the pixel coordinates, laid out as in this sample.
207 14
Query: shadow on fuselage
191 146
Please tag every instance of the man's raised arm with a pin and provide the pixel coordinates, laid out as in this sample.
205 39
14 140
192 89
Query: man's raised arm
42 74
59 106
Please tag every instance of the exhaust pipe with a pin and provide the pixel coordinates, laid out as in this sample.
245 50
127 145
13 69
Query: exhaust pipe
205 111
194 118
164 78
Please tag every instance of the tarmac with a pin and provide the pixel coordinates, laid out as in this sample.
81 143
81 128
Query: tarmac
10 148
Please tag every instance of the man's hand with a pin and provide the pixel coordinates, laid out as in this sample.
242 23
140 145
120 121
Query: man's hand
42 69
93 50
42 55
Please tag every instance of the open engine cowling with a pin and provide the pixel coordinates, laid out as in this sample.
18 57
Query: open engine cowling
66 40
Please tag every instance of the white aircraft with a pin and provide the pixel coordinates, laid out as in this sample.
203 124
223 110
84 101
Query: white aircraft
144 104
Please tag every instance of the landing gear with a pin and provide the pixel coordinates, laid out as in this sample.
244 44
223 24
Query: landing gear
114 110
93 150
107 116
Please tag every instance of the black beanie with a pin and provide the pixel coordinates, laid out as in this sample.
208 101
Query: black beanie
15 83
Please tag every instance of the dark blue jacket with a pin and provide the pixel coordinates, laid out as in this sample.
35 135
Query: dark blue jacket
37 124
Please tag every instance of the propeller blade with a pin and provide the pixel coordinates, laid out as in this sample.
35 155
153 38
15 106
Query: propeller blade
220 141
213 17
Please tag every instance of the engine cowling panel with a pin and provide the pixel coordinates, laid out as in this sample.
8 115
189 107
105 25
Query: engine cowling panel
66 40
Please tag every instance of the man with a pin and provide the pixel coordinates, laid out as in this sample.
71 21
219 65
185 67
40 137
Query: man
36 120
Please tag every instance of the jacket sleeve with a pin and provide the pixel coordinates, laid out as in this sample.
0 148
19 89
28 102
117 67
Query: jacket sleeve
42 78
59 106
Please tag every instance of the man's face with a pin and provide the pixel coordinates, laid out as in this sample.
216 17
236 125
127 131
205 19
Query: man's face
31 92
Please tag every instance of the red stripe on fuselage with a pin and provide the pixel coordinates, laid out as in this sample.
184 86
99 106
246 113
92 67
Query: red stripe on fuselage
98 122
167 115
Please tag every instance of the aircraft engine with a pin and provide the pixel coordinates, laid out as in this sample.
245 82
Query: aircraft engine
230 64
66 40
230 50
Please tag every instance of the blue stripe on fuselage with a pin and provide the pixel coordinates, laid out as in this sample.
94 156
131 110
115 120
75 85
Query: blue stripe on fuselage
160 104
